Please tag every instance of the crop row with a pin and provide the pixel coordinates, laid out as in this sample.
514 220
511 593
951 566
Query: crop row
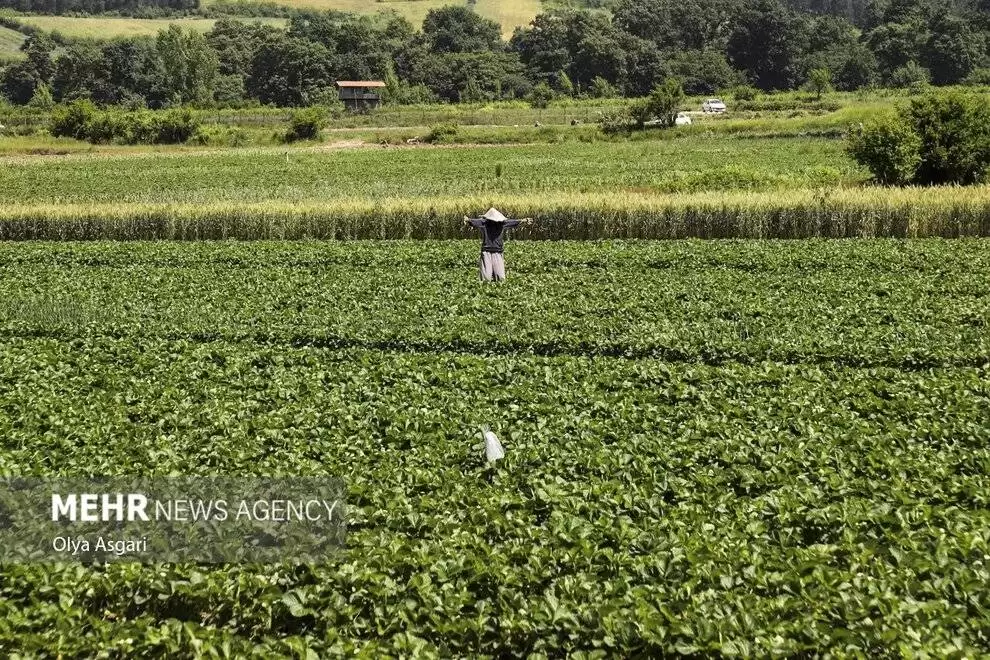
877 302
849 213
643 508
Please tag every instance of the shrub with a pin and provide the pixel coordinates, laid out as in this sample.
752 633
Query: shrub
938 139
910 76
103 127
888 148
786 103
173 126
71 120
954 130
42 99
219 136
541 95
744 92
565 84
602 89
83 121
307 123
442 133
978 77
615 122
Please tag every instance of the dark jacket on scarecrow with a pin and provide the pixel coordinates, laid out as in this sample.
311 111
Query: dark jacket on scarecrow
492 224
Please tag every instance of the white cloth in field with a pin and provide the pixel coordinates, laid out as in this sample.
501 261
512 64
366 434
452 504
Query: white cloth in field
493 448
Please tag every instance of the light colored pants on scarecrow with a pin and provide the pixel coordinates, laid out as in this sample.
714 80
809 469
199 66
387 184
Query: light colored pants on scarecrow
492 267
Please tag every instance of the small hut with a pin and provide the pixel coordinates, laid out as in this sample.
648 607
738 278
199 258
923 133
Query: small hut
360 95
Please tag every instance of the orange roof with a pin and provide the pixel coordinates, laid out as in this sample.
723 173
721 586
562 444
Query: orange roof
360 83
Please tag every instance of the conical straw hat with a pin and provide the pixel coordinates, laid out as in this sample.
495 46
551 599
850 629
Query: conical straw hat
494 215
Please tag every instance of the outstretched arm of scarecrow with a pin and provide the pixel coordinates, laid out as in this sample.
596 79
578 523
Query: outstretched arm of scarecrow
474 222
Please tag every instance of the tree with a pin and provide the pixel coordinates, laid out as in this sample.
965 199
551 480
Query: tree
768 42
290 72
447 74
544 47
229 91
896 44
127 7
597 50
601 89
471 92
953 50
852 66
677 25
42 99
644 67
820 81
362 47
457 29
703 72
189 65
130 71
76 71
393 87
581 44
662 105
21 79
236 42
39 48
19 82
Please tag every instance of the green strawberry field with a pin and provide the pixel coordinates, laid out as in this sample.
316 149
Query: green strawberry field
748 448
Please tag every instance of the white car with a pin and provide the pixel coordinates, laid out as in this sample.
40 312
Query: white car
713 105
680 120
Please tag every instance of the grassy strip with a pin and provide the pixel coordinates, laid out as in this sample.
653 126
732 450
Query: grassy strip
867 212
104 27
10 43
316 174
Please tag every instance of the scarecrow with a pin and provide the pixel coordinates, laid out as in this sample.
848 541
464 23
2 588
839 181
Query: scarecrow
492 225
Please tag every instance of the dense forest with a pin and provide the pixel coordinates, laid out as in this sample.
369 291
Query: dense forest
457 55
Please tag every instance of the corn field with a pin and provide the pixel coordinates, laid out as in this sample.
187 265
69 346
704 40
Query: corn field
847 213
